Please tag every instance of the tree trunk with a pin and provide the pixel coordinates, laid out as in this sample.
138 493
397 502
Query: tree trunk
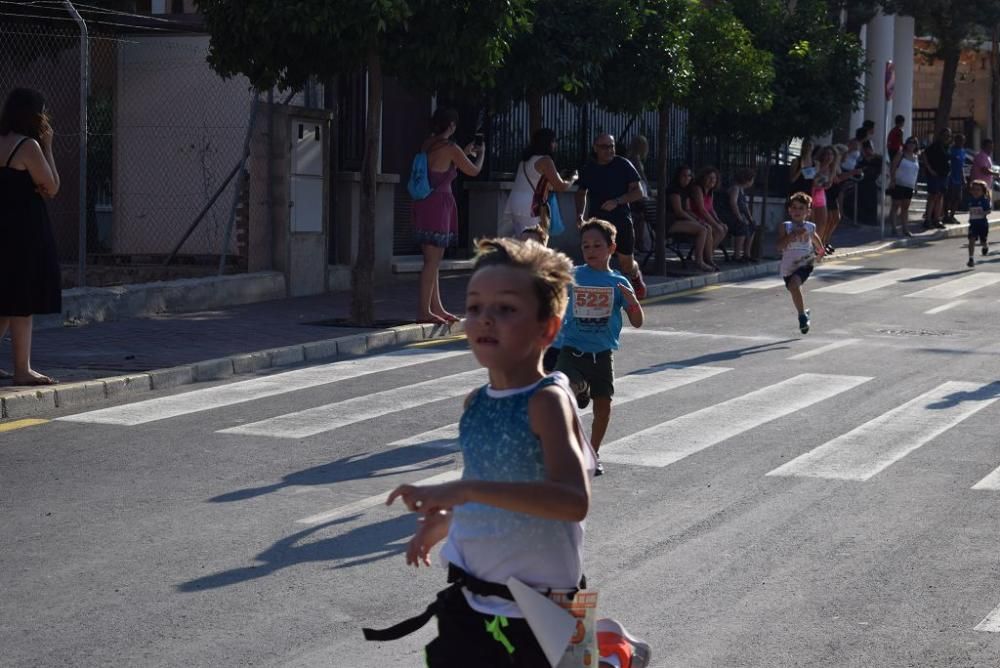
662 179
952 53
363 273
534 112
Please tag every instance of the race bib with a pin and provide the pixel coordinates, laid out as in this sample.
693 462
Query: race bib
593 303
976 213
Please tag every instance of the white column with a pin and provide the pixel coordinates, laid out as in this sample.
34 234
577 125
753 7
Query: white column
879 49
903 57
858 115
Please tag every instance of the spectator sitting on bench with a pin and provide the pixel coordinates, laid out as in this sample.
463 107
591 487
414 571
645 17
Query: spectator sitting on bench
680 220
702 194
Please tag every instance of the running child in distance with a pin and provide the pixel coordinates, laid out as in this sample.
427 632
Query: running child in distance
518 510
593 324
979 228
800 248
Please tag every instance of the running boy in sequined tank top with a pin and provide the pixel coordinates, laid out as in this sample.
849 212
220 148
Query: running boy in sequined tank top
518 509
800 248
593 324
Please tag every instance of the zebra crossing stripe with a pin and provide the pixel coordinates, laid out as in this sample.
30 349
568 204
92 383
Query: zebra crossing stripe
869 283
944 307
302 424
220 396
822 350
990 482
631 386
364 504
874 446
992 622
771 282
958 287
670 441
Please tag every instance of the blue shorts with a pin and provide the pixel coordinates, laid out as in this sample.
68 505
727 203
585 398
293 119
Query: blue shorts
979 229
802 272
937 184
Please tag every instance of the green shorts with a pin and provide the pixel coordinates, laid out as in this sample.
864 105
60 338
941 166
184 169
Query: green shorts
598 369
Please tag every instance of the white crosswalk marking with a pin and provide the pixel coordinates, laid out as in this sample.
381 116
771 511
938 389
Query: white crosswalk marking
230 394
992 622
990 482
670 441
364 504
875 282
328 417
944 307
875 445
824 349
771 282
627 388
958 287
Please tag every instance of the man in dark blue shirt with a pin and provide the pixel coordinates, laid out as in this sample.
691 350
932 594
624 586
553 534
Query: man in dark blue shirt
607 186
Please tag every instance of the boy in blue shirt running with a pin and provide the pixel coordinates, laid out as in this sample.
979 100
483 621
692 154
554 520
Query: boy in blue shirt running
593 323
979 226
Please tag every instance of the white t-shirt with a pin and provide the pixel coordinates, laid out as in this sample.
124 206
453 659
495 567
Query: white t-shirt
797 253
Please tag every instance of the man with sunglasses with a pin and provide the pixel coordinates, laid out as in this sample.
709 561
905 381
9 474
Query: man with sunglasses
607 185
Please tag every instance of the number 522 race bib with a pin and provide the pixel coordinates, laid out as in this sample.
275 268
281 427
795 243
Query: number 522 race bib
593 303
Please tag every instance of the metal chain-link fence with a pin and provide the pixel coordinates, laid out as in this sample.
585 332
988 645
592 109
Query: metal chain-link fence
164 133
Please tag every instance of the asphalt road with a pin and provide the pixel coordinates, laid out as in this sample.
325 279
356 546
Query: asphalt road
771 499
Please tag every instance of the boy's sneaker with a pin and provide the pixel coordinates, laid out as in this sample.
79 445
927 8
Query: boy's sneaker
619 648
971 262
599 470
804 322
582 392
638 284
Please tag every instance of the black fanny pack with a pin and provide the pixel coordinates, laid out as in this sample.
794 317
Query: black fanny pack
457 579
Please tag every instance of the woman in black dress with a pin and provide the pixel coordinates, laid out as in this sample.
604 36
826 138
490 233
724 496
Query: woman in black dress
30 279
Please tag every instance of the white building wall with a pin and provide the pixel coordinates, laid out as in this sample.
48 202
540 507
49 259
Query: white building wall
179 131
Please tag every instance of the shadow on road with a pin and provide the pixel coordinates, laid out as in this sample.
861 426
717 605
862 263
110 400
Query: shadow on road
722 356
370 466
991 391
363 545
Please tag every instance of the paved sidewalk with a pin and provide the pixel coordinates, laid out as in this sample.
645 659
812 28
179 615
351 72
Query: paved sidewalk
98 362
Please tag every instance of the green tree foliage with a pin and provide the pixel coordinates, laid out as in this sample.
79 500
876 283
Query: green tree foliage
682 52
817 67
952 24
428 42
565 50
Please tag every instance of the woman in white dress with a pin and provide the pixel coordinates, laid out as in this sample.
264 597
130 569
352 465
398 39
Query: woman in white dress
536 164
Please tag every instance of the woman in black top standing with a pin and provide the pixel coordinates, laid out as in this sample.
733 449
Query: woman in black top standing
29 265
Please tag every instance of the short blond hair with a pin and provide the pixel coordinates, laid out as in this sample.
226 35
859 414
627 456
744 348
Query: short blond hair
551 271
981 184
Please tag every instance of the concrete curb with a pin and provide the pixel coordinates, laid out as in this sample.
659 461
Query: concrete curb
91 393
